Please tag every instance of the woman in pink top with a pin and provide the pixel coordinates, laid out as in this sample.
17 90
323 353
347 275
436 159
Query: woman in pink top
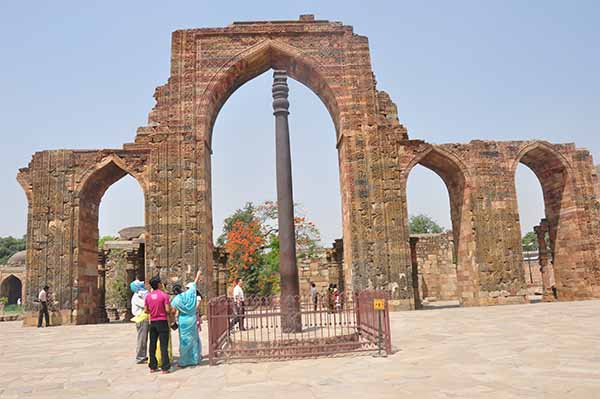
157 305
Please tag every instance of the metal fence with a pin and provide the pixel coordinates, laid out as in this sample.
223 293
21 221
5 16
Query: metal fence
259 329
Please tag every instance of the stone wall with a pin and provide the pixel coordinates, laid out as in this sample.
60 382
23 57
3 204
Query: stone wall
324 269
171 159
436 266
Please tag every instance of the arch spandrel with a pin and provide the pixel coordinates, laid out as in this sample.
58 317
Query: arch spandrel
252 62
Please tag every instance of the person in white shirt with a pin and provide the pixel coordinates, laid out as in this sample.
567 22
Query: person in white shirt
43 313
238 304
137 308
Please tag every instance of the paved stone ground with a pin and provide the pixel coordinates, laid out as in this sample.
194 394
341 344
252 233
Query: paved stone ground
549 350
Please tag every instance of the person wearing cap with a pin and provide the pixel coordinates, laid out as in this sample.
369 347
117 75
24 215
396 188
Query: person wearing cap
140 318
186 304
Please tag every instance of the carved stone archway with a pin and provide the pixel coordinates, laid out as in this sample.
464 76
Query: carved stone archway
170 158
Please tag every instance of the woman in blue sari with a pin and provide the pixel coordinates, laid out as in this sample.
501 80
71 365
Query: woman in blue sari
186 304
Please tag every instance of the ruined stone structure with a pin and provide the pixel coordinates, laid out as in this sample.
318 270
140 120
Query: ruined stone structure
12 276
171 159
436 269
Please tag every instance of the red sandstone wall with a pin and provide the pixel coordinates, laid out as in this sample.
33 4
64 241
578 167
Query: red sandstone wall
171 158
436 267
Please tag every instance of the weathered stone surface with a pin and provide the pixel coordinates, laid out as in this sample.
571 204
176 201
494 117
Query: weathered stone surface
171 159
436 267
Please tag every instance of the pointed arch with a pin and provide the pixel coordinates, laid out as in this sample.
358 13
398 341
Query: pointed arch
455 176
553 171
12 289
254 61
111 169
95 182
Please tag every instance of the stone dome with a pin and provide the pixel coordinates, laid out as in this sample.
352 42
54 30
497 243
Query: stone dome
131 233
17 259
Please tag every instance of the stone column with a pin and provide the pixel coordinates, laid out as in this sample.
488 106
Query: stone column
101 316
130 270
545 269
290 288
415 272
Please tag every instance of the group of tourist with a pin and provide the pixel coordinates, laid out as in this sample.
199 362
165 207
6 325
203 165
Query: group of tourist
156 314
334 297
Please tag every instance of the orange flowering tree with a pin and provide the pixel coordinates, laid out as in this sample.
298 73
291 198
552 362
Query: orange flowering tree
251 241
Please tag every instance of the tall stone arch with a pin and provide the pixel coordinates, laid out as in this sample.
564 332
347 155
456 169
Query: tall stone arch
90 191
170 157
555 175
455 175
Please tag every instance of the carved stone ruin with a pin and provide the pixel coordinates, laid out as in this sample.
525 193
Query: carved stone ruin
171 160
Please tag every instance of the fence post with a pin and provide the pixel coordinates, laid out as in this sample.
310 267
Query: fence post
357 310
388 328
211 353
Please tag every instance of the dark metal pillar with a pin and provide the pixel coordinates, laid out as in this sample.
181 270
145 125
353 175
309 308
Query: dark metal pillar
101 316
290 288
418 304
130 270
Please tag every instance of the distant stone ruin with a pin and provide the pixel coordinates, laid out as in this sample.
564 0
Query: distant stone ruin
171 160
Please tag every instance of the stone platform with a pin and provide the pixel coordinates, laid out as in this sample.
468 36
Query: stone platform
545 350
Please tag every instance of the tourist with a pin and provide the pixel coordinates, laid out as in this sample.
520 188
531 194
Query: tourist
330 298
157 305
238 304
140 318
43 298
337 299
314 295
186 305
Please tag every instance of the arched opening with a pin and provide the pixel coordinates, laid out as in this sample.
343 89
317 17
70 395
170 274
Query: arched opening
243 168
555 234
440 271
12 289
118 256
530 199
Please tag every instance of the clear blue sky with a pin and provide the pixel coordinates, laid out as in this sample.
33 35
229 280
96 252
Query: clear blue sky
80 74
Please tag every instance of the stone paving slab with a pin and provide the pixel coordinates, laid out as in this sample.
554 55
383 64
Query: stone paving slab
546 350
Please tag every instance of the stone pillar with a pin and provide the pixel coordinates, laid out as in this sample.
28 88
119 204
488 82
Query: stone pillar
101 316
415 272
545 268
130 270
290 288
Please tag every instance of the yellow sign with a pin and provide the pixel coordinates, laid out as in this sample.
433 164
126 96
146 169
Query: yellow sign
379 304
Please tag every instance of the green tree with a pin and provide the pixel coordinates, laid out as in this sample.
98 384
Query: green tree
10 246
103 239
422 224
250 237
530 242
